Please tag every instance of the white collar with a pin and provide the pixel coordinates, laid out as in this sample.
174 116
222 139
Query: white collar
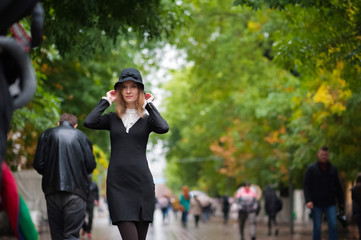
130 118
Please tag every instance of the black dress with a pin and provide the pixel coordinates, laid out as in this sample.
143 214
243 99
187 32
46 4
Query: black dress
130 186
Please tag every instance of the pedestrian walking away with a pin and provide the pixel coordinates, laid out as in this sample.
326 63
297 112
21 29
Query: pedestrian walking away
225 209
164 204
322 190
195 209
273 205
130 185
93 199
64 157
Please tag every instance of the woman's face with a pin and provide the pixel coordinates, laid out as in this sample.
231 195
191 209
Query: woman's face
129 91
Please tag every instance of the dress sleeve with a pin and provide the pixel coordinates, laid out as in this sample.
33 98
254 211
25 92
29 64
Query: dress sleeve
157 122
95 120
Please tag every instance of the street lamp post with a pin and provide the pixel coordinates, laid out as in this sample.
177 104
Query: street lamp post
290 191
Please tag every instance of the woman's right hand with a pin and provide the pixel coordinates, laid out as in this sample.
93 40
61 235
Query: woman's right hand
149 97
111 95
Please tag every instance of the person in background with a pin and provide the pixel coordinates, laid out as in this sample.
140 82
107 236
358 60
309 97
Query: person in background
92 200
164 205
271 207
195 209
64 157
175 206
225 209
322 189
130 186
247 204
356 203
185 202
206 207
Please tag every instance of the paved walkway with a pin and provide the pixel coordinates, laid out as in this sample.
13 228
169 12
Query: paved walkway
212 230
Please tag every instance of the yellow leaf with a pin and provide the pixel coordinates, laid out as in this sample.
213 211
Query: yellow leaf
254 26
322 95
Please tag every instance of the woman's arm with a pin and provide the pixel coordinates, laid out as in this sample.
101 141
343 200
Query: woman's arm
95 120
158 124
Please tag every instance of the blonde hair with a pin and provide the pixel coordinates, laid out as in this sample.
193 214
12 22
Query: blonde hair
121 106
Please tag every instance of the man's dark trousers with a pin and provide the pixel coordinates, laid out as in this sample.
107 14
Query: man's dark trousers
66 213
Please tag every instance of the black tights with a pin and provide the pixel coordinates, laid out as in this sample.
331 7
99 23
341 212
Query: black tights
133 230
242 217
271 219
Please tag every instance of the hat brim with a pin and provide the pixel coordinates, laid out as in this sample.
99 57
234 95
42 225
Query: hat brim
128 79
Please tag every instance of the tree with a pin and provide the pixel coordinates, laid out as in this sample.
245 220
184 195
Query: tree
89 27
264 86
86 43
320 41
233 102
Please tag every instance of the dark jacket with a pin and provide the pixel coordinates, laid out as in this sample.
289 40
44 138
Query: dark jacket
64 156
322 187
225 204
270 197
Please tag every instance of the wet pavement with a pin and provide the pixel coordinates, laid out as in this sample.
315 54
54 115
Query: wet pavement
214 229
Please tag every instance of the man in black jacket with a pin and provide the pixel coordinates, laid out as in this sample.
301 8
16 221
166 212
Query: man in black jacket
322 187
64 157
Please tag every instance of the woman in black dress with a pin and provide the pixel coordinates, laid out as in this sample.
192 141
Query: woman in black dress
130 186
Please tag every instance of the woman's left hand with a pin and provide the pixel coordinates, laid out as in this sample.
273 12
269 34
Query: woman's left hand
149 97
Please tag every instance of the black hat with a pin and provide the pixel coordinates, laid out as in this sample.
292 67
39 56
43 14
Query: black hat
131 74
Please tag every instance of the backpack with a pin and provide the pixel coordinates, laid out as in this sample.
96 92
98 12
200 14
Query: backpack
278 204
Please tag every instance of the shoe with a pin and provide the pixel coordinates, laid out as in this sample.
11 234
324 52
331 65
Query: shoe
276 232
89 236
253 238
83 232
269 233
